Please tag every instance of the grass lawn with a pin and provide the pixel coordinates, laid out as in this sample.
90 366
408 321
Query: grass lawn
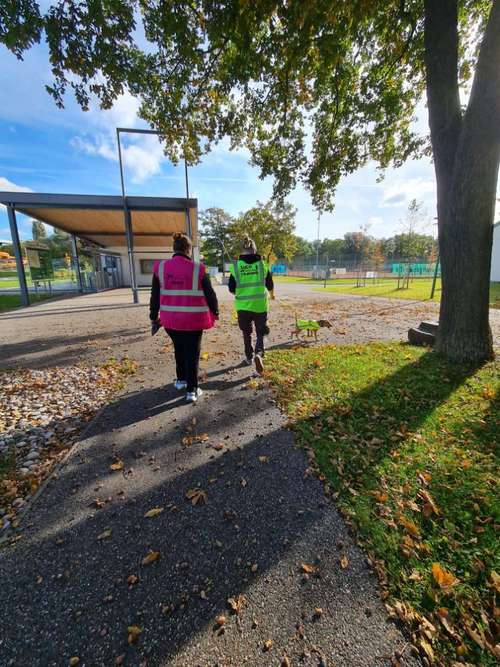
406 444
9 301
419 289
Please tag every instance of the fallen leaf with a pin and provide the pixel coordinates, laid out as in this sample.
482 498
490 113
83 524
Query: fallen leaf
318 612
203 595
443 578
495 580
286 662
204 356
75 660
268 644
344 562
254 567
236 603
410 526
150 557
132 579
117 465
220 620
243 482
153 512
105 534
430 506
39 579
308 569
264 459
133 632
196 496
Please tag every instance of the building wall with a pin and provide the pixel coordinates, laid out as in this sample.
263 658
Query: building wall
495 255
143 279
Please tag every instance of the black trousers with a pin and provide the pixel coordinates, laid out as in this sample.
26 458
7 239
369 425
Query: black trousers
246 320
187 347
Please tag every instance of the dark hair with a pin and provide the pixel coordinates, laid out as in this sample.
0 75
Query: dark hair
182 243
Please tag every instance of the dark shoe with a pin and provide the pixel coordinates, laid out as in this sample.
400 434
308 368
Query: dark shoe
259 364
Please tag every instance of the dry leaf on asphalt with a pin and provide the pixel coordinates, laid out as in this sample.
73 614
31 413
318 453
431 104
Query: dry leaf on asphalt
196 496
236 603
75 660
308 569
204 356
443 578
132 579
344 562
117 465
153 512
104 535
220 620
263 459
133 632
268 644
150 557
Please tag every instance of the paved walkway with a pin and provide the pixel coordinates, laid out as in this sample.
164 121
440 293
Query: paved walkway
77 580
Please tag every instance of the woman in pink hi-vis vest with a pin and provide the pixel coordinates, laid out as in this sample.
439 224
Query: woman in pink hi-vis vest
184 302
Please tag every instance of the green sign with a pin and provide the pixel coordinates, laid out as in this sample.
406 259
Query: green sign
39 260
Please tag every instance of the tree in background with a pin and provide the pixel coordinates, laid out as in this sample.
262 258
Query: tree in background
38 230
271 227
215 235
254 71
378 256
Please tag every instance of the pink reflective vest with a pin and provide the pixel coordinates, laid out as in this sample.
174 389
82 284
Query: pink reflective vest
183 306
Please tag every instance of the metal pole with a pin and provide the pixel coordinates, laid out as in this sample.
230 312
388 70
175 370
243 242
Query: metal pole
433 289
128 225
76 262
25 299
317 247
188 213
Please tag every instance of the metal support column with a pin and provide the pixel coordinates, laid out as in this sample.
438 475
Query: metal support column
130 249
128 225
188 212
76 262
25 299
433 289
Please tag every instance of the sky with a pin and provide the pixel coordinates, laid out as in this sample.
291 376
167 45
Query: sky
45 149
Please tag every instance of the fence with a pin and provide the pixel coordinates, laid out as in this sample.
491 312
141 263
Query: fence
352 268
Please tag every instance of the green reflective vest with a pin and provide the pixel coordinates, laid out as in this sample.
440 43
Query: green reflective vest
251 293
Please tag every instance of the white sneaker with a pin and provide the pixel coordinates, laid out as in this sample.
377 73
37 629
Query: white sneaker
193 396
180 385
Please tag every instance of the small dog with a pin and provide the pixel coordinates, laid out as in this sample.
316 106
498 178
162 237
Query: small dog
310 326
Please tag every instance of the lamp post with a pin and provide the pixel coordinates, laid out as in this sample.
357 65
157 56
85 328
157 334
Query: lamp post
317 247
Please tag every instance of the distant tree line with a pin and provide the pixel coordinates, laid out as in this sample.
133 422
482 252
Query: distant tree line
273 229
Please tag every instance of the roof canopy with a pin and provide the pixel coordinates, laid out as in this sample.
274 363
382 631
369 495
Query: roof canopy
100 218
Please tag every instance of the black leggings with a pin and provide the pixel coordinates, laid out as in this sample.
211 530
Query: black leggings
246 320
187 347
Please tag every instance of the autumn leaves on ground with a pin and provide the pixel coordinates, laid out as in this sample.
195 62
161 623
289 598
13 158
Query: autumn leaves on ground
405 444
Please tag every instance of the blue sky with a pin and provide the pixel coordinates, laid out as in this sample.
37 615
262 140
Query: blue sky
45 149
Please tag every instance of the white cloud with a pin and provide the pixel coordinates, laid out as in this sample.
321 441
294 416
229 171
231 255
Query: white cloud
142 154
9 186
401 192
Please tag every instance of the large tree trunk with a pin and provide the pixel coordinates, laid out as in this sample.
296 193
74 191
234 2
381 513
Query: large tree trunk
466 154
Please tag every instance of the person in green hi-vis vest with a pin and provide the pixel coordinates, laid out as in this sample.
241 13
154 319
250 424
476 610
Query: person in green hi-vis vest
250 282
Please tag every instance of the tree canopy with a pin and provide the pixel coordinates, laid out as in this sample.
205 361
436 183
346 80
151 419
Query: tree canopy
314 90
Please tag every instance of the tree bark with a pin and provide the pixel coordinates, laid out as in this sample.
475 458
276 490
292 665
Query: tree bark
466 155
